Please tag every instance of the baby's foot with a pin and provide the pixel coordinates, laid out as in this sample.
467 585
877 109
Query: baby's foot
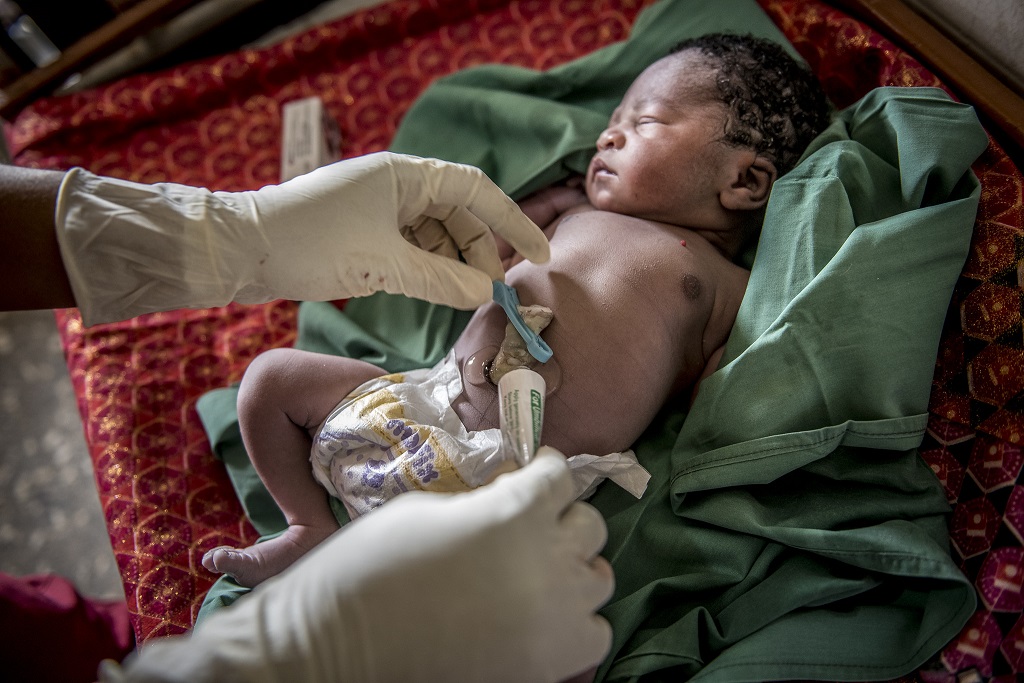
257 563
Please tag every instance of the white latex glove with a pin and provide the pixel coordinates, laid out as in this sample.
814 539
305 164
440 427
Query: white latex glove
344 230
497 584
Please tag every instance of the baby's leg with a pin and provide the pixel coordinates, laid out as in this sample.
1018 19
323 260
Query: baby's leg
285 395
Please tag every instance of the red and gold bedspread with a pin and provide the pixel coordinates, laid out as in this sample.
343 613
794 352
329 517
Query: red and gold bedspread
216 123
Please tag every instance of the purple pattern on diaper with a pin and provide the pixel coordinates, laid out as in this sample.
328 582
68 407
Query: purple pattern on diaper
372 458
422 453
424 466
375 473
345 439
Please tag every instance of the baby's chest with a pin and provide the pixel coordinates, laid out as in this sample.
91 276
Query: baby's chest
642 266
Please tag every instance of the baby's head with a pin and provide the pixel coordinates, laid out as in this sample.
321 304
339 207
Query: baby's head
701 135
776 105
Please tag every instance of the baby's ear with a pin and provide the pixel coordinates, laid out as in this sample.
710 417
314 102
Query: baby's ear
752 180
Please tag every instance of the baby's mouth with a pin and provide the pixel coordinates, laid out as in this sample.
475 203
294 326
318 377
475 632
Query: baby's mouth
600 168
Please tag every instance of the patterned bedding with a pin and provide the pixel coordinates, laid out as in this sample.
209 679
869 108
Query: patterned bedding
217 123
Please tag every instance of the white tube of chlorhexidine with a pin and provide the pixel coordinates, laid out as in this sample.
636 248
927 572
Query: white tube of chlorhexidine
521 412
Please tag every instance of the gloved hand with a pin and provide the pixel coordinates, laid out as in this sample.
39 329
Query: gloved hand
497 584
383 222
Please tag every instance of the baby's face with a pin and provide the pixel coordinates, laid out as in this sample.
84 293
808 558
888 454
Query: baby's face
660 157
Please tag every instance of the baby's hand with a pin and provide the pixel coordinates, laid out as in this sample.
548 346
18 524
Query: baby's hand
544 207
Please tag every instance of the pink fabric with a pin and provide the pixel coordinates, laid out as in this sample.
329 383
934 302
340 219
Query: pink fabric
50 632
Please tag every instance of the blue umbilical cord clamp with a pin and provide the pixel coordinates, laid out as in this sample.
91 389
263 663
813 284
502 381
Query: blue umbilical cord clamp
506 297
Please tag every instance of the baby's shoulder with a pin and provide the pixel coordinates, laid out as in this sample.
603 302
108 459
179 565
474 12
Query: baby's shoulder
586 217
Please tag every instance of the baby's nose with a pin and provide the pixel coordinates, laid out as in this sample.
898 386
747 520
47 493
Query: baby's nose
609 138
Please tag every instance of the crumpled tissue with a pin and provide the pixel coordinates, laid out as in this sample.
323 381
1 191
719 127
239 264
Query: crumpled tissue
623 468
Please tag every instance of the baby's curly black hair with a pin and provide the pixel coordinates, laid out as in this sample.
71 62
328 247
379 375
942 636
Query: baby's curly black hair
776 104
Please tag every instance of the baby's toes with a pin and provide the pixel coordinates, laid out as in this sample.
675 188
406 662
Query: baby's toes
212 558
244 566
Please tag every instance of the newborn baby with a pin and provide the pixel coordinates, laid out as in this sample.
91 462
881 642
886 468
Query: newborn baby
641 284
640 308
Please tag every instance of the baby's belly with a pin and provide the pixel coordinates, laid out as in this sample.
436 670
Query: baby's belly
617 353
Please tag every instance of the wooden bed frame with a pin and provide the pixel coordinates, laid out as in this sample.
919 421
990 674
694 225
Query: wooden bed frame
134 21
1000 108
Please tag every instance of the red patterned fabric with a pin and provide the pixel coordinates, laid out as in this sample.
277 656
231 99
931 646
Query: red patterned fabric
216 123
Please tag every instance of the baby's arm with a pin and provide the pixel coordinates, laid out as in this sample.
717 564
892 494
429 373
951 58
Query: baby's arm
543 207
709 370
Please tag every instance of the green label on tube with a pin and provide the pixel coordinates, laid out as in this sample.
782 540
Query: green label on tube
537 412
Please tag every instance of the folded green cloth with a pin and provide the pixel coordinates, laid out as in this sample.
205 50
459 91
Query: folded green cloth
790 529
794 531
